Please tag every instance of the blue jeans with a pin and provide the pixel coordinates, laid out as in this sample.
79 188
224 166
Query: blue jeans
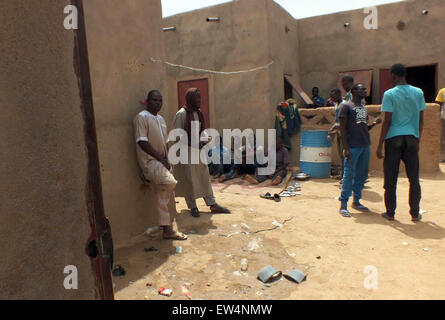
355 174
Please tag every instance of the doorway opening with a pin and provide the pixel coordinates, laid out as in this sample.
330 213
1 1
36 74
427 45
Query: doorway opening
424 77
288 90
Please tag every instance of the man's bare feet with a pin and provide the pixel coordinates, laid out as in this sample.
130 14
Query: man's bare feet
277 181
251 179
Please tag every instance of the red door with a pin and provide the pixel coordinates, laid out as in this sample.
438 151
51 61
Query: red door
203 86
385 82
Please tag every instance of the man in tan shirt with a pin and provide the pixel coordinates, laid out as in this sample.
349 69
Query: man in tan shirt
152 153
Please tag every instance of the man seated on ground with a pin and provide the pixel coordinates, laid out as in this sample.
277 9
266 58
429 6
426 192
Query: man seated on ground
282 162
248 151
219 168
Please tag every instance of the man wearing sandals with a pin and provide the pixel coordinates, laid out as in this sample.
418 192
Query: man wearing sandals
151 139
194 179
356 148
403 107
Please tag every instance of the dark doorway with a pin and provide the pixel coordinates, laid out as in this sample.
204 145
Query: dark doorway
424 77
203 86
288 90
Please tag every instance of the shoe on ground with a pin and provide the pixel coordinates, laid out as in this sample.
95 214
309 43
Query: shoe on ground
387 217
195 213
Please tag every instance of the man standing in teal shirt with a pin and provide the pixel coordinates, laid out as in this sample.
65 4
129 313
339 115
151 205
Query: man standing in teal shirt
403 107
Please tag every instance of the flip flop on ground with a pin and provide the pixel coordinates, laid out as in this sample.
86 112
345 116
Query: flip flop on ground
277 197
267 196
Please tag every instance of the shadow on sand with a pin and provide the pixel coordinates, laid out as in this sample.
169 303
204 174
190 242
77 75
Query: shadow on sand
419 230
139 262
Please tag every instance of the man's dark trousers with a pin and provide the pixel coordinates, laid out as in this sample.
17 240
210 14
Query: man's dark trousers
404 148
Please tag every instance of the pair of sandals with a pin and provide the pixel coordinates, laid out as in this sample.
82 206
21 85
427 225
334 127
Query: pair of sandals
291 192
276 197
216 210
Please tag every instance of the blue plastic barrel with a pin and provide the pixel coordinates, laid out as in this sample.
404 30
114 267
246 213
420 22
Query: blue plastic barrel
315 154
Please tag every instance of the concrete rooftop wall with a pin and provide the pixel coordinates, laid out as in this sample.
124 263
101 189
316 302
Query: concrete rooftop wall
122 36
327 47
238 42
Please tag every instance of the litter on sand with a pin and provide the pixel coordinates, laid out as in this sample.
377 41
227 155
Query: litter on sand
295 275
244 264
244 226
165 292
151 249
277 224
269 274
186 293
255 244
275 227
149 231
119 271
178 249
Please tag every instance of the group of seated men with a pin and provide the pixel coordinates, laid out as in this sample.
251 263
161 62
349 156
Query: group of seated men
240 166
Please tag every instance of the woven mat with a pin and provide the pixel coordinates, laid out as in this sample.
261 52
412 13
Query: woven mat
241 186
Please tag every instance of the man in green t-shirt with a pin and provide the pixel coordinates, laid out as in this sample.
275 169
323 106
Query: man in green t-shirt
403 107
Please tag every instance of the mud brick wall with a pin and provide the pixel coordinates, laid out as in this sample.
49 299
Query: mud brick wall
323 119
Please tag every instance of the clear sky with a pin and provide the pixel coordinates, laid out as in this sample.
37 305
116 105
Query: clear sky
297 8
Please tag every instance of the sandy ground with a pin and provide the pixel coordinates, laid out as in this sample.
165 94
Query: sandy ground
334 251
